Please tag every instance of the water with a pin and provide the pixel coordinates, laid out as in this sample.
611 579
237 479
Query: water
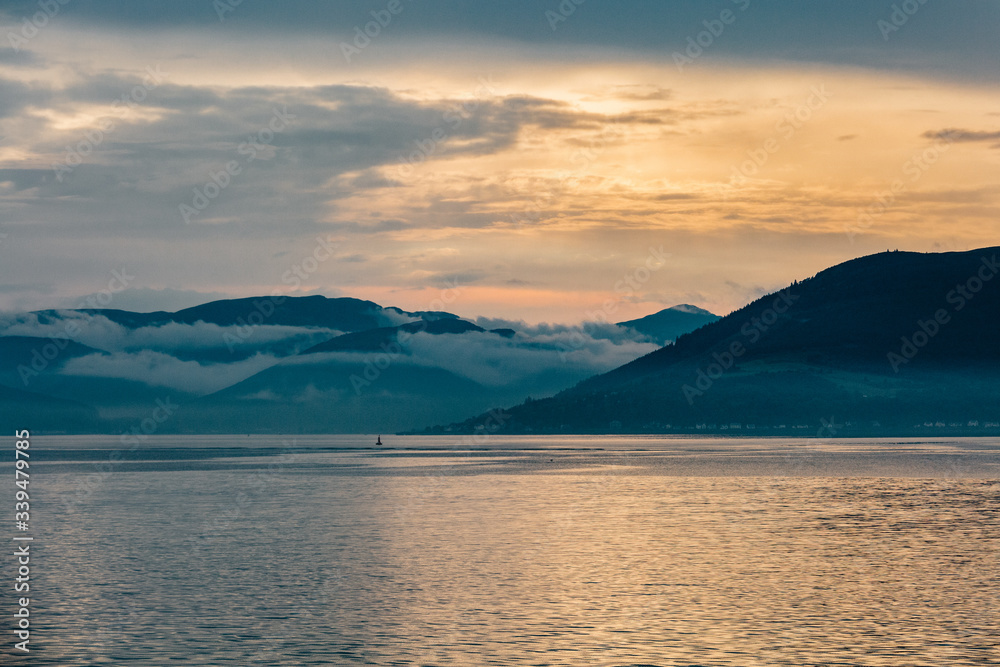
519 551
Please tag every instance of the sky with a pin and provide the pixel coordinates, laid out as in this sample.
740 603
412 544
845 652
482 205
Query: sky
540 161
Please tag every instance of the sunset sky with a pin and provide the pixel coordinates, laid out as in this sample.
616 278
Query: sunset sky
524 156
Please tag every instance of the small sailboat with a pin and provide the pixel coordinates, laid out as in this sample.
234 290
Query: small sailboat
379 441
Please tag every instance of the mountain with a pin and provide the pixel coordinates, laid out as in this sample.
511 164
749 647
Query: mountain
38 413
343 314
127 370
35 352
888 344
32 364
670 323
374 340
304 364
897 342
363 382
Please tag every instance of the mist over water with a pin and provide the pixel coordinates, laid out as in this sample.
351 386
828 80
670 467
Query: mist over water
515 551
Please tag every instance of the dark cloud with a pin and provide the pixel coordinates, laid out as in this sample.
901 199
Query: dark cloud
360 159
631 93
145 299
370 228
25 179
951 37
467 277
675 196
964 136
27 288
332 142
19 58
955 196
16 96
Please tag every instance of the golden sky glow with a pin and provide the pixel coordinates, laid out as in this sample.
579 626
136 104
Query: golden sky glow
534 178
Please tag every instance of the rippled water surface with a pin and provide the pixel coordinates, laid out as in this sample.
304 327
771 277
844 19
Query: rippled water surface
529 551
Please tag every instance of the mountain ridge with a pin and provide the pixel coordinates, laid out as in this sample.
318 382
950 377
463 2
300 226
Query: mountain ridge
817 349
666 325
289 364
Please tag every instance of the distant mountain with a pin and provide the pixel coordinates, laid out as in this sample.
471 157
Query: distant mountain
670 323
344 313
34 350
39 413
302 364
374 340
36 367
368 381
25 361
896 343
888 344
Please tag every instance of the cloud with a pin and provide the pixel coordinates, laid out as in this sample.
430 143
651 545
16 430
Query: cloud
545 360
19 58
99 332
27 288
173 336
402 150
147 300
630 92
96 332
964 136
453 278
16 96
539 359
555 333
948 33
371 227
163 370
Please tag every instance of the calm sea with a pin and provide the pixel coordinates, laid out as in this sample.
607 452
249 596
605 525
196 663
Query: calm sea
510 551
